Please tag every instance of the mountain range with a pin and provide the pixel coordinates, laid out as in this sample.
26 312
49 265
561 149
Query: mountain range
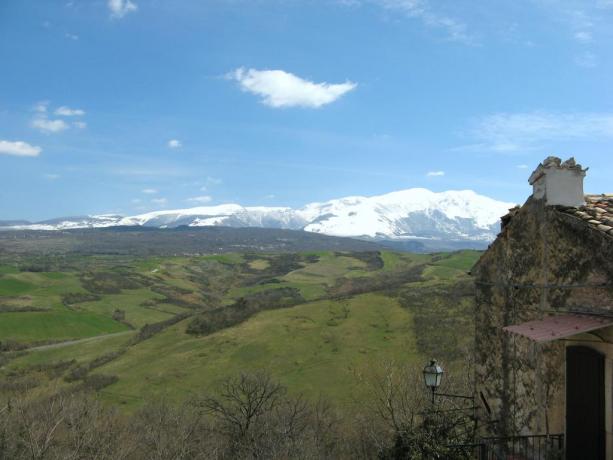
415 218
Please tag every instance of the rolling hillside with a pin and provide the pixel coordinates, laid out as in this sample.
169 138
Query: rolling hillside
137 328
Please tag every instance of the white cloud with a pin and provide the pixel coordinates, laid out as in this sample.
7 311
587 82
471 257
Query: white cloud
68 112
137 171
421 10
582 20
522 166
19 148
174 144
493 146
41 107
136 201
149 191
51 176
49 126
71 36
278 88
160 201
119 8
435 173
587 60
583 36
200 199
508 132
213 180
42 122
210 182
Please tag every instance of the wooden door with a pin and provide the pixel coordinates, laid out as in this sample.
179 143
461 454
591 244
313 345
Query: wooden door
585 411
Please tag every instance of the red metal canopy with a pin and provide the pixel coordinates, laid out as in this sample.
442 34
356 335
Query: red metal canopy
559 326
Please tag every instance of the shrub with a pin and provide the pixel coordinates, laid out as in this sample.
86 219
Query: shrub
112 282
244 308
72 298
372 259
81 372
149 330
97 382
77 373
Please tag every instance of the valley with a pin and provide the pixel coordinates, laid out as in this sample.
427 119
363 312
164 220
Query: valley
135 328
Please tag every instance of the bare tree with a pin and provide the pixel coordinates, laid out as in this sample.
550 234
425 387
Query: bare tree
243 400
249 417
258 420
91 431
38 426
6 447
164 431
399 420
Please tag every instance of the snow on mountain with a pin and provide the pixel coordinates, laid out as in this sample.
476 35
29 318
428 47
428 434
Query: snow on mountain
415 213
67 223
232 215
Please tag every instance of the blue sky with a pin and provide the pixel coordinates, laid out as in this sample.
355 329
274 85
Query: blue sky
130 106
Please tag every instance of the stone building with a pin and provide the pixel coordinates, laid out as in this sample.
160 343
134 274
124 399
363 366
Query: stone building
544 317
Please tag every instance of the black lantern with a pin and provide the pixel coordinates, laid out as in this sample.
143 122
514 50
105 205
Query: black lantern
433 374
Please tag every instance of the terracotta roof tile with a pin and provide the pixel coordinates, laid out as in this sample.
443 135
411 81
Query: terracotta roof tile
597 212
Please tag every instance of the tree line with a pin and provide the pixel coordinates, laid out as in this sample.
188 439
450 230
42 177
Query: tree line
249 416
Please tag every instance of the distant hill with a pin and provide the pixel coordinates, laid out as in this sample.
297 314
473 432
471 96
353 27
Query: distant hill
416 219
137 240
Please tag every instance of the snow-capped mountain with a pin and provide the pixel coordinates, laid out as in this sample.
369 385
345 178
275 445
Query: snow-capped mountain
413 214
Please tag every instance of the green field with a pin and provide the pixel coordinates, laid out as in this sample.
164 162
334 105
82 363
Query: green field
315 321
299 345
55 325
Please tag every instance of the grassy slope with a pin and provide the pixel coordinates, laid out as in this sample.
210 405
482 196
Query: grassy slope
312 280
312 348
44 290
81 352
55 325
315 348
81 319
130 301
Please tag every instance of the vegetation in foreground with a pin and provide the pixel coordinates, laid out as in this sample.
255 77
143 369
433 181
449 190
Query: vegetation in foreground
247 416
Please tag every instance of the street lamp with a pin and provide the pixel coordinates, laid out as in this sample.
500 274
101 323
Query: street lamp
433 374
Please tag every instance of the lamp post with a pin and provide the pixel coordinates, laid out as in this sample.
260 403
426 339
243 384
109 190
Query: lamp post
433 374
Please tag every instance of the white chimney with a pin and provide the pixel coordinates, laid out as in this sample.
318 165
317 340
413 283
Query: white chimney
558 183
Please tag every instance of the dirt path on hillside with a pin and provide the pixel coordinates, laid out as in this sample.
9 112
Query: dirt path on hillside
72 342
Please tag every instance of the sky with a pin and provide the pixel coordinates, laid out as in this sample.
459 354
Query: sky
129 106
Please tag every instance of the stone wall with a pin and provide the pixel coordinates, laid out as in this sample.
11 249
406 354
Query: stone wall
544 261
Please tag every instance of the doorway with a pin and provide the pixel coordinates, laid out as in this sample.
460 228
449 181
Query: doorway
585 408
